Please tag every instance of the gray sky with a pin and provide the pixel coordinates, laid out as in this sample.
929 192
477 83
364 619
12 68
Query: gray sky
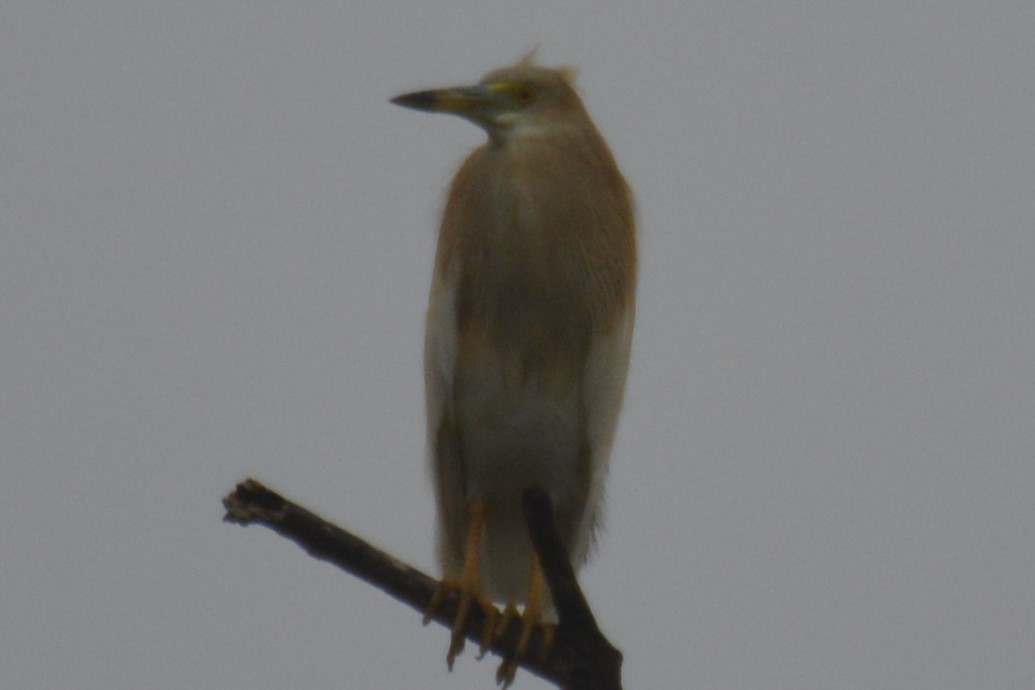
216 244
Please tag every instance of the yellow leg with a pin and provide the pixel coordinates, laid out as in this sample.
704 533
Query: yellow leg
469 586
531 618
471 579
533 613
510 614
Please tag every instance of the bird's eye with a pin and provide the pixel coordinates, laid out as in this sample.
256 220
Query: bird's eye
525 94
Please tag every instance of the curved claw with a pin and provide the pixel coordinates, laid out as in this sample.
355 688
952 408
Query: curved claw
531 618
468 598
468 587
509 666
458 640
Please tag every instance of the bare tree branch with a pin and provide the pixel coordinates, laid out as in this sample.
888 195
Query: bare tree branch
588 661
581 658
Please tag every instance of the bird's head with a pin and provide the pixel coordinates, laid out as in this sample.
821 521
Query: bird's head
524 98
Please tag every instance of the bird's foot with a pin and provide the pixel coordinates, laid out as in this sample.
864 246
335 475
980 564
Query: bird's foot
531 619
468 597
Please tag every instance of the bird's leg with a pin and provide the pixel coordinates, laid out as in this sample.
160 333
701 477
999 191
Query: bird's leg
510 614
469 586
531 618
470 582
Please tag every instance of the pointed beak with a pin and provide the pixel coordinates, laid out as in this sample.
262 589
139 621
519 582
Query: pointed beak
472 102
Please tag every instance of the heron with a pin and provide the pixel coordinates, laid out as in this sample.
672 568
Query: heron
528 336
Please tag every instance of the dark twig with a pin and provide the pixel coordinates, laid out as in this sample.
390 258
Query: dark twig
587 661
581 658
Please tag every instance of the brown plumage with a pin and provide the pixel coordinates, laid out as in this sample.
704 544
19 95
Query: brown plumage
529 328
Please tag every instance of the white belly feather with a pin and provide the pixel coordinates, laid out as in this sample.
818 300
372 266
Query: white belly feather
517 431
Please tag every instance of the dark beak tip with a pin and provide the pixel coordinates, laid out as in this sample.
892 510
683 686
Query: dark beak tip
418 100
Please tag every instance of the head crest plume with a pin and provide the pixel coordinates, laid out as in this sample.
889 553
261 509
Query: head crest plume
528 59
570 74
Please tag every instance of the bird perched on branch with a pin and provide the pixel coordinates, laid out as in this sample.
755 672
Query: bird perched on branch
528 334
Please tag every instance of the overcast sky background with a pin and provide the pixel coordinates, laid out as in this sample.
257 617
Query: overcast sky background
216 244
